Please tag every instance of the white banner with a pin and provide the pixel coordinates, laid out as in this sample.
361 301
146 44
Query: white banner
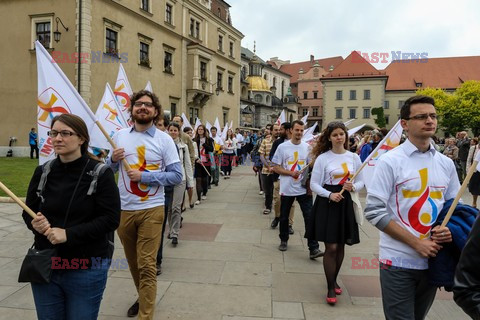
56 95
186 123
216 124
281 119
354 130
148 87
122 92
305 118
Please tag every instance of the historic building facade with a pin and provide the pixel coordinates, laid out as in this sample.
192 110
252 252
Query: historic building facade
188 49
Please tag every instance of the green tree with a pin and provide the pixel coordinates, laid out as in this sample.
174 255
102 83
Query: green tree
380 120
450 121
467 99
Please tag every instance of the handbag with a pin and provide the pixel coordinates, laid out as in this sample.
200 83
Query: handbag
37 265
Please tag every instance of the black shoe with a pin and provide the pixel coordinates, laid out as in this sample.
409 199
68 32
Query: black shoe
282 246
174 241
169 237
209 186
316 253
133 311
275 223
290 230
191 205
216 184
159 269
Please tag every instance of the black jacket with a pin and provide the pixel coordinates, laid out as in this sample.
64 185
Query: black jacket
91 220
466 288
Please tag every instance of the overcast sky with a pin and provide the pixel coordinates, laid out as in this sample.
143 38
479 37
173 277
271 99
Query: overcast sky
292 30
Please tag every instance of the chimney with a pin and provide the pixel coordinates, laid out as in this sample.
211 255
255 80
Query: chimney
312 58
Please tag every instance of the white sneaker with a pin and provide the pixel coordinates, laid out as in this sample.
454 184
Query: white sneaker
204 197
197 202
260 193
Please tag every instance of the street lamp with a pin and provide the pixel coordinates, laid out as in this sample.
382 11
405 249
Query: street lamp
57 34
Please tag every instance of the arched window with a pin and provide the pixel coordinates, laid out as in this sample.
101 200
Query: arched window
283 88
275 81
219 12
258 98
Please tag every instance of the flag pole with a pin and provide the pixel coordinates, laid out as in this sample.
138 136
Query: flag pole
17 200
470 173
356 173
205 169
114 146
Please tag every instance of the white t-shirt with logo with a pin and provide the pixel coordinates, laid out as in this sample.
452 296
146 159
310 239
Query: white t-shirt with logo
334 169
293 157
239 140
414 186
145 153
218 140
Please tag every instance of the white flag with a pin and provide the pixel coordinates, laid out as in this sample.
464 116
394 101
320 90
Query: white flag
148 87
305 118
308 134
56 95
110 117
216 124
354 130
231 124
123 91
346 123
391 140
281 119
224 132
197 123
186 123
208 126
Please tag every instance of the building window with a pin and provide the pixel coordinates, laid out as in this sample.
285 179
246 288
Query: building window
168 13
219 81
167 62
315 94
366 94
193 114
230 84
194 28
225 117
386 104
43 34
400 104
220 43
387 119
315 111
231 49
145 5
366 113
203 70
304 112
275 82
173 109
197 29
339 95
352 113
219 12
144 57
258 98
353 94
305 94
111 42
338 113
283 88
265 76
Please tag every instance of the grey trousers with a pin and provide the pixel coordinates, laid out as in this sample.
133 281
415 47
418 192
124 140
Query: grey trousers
176 215
406 293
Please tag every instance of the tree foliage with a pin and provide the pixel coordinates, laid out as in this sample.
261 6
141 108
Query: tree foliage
380 120
458 111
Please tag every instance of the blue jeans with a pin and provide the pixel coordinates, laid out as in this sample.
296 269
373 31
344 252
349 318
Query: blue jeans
71 294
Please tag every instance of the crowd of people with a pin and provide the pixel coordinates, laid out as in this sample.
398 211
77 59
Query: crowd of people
160 163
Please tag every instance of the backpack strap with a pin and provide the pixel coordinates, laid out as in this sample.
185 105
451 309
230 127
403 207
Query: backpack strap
47 166
99 169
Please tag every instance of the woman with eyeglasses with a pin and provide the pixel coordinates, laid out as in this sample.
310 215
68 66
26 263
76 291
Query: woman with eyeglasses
175 217
203 163
80 225
333 218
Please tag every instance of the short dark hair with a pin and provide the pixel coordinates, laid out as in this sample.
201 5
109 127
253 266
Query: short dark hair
213 127
177 115
187 129
405 111
299 122
78 126
174 124
166 120
155 102
269 126
286 125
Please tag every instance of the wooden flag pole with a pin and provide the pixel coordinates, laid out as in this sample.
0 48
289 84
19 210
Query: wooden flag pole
205 169
124 162
17 200
356 174
470 173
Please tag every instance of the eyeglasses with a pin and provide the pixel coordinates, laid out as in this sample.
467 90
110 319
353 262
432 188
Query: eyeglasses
140 103
423 116
63 133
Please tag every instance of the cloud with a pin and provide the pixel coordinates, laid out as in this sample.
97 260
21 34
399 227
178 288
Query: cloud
294 30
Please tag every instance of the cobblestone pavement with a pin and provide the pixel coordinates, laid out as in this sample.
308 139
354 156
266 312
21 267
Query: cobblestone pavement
225 267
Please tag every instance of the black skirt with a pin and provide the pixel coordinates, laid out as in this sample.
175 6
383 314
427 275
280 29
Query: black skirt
333 222
474 184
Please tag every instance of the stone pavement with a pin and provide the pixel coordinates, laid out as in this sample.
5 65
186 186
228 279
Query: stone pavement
225 267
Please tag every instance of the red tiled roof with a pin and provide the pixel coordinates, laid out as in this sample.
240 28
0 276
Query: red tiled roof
354 66
445 73
293 68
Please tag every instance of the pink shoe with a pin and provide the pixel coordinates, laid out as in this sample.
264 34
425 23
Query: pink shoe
338 291
331 301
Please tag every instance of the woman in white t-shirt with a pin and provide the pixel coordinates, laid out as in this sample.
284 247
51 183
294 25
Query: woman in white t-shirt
333 218
229 147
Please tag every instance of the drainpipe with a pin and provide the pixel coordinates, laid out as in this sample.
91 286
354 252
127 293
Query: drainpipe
79 44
